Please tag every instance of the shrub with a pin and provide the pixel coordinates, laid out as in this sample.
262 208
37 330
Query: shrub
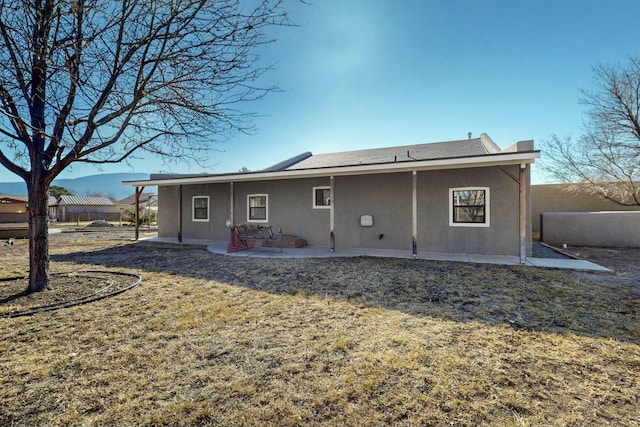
129 217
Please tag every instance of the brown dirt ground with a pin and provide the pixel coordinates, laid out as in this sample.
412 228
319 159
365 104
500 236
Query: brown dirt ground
64 290
625 262
64 287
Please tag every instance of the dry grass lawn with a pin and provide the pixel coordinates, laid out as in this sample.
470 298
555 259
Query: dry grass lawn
214 340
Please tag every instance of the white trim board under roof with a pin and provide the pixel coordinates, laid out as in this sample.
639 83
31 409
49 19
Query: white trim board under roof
470 153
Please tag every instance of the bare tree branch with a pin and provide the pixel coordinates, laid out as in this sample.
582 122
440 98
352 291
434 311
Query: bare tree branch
98 81
605 159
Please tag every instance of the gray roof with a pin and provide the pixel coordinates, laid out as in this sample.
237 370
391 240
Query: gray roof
476 152
85 201
131 200
406 153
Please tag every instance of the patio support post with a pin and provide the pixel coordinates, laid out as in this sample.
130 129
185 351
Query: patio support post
231 203
414 212
180 213
332 222
523 212
137 212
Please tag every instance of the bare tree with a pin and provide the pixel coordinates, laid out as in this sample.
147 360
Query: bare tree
605 159
98 81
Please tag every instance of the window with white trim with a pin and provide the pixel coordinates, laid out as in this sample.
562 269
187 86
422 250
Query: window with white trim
469 207
257 208
321 197
200 208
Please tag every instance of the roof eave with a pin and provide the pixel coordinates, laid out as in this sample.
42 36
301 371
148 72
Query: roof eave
500 159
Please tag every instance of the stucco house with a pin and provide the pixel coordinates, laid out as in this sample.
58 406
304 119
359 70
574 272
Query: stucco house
13 208
146 201
464 196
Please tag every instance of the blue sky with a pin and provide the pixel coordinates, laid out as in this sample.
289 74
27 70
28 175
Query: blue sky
359 74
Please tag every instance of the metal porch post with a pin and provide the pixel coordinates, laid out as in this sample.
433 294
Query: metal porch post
332 222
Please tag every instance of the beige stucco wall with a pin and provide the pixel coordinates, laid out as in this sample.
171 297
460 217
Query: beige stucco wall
556 198
607 229
13 212
13 208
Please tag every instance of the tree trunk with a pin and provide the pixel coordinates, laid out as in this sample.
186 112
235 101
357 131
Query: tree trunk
38 237
38 184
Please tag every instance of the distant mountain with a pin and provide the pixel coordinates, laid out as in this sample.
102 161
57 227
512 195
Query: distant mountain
108 184
13 188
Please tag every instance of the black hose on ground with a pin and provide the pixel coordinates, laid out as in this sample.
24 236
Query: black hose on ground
95 296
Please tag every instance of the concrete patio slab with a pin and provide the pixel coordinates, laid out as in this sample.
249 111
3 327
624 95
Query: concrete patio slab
573 264
220 248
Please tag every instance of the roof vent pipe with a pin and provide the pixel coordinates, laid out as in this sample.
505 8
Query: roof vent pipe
469 135
409 156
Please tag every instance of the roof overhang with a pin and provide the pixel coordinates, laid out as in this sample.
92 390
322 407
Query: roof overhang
12 200
499 159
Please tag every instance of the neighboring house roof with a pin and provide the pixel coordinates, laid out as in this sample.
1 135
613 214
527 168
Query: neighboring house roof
4 198
85 201
468 153
144 197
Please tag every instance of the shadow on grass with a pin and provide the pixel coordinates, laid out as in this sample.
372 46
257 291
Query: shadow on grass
527 298
13 297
